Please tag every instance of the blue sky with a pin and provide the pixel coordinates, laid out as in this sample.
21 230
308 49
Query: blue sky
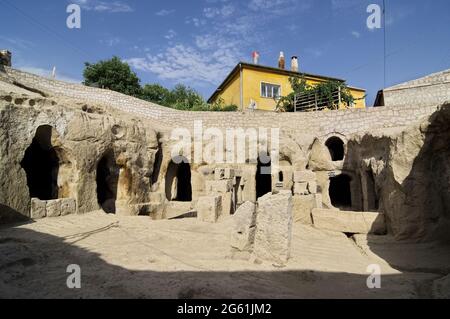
198 42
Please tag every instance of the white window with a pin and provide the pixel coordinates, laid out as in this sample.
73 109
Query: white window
270 90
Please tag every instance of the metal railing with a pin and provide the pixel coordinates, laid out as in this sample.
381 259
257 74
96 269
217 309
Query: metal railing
308 102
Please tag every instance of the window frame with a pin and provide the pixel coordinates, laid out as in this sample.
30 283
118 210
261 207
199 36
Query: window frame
272 85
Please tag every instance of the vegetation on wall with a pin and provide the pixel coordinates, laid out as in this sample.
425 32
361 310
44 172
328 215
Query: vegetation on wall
324 92
117 75
182 97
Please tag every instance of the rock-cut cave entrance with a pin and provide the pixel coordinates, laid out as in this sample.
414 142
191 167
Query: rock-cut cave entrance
41 164
107 182
263 176
340 192
336 148
178 180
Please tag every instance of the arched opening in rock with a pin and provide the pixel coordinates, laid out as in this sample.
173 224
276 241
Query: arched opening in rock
263 176
336 148
340 192
41 164
107 182
280 177
178 181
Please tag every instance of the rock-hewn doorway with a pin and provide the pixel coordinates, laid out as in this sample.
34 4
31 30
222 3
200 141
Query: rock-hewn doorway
107 182
340 192
41 164
263 176
178 181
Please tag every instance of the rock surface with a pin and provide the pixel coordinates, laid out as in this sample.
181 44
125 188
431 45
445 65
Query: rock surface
349 222
274 227
209 208
244 227
302 207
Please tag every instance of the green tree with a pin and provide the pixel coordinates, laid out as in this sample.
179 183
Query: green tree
184 98
156 93
112 74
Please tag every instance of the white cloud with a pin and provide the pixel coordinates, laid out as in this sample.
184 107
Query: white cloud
225 34
170 34
16 42
104 6
182 63
111 41
48 74
195 21
222 12
164 12
316 52
279 7
293 27
356 34
345 4
265 4
402 13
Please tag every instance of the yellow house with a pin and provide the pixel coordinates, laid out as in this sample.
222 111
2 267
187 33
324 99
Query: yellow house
253 86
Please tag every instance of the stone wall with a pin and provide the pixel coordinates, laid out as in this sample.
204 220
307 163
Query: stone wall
5 58
319 123
430 90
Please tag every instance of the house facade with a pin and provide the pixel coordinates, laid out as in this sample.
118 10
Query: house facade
256 87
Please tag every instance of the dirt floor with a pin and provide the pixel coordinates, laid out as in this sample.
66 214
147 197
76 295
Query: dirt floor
136 257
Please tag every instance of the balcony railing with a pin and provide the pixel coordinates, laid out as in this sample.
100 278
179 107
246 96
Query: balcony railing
309 102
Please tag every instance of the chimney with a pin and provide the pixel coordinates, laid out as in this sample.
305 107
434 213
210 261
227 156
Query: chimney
5 58
294 64
281 61
255 57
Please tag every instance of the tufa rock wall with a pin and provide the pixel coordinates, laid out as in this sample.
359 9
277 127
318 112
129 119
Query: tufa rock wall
109 151
77 141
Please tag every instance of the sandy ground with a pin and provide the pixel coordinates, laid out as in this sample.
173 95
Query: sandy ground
135 257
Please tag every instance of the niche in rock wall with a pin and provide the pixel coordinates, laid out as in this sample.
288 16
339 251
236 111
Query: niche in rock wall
47 167
178 180
371 201
157 164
